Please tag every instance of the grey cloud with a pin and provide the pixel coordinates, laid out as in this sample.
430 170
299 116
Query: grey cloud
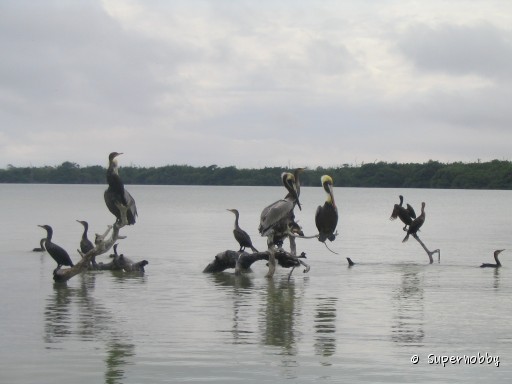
460 49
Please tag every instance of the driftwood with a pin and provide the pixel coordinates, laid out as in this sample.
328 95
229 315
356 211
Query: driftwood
429 253
242 261
121 263
103 243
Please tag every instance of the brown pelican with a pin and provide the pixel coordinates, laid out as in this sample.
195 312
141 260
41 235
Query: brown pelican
275 219
56 252
296 174
85 244
116 195
416 224
498 264
241 236
326 217
407 215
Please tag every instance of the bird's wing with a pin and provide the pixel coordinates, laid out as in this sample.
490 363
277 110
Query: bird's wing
394 214
130 202
272 214
411 212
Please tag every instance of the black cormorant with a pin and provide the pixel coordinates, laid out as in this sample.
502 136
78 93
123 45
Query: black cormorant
58 253
241 236
326 217
416 224
498 264
116 194
85 244
407 215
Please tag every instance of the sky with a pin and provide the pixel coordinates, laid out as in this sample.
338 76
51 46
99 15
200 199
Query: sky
253 84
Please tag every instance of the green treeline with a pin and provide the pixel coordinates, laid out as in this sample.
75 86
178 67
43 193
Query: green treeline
496 174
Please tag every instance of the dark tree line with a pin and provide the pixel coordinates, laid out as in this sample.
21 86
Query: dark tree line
496 174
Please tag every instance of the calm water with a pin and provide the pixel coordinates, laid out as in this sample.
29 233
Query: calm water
334 324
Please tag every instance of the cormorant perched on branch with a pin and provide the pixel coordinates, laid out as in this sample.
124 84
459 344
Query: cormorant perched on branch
241 236
326 217
116 195
58 253
416 224
498 264
407 215
85 244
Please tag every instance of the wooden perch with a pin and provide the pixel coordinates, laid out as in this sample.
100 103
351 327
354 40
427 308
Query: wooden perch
242 261
429 253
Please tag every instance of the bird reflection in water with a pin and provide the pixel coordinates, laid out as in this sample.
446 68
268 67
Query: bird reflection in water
325 327
72 314
409 307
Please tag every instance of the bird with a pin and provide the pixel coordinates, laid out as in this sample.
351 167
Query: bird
326 217
116 194
416 224
407 215
58 253
350 262
241 236
275 219
85 244
498 264
296 174
41 246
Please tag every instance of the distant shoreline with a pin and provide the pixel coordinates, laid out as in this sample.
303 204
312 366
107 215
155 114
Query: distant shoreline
495 174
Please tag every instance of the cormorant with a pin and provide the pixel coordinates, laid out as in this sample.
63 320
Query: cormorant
116 194
275 219
498 264
416 224
326 217
407 215
41 248
58 253
241 236
85 244
350 262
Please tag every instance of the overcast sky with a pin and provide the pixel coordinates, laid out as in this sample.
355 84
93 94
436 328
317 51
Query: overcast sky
254 83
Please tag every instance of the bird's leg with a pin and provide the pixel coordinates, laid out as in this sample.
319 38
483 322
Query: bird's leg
293 246
123 209
271 257
429 253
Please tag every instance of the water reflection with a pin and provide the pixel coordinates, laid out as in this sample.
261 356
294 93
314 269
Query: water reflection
69 307
409 308
242 288
325 327
496 281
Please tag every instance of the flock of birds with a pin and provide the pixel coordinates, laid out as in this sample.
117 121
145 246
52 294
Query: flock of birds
277 220
117 200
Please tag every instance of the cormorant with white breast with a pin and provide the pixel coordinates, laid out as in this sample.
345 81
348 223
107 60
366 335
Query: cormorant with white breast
116 195
85 244
407 215
416 224
498 264
241 236
58 253
275 219
326 217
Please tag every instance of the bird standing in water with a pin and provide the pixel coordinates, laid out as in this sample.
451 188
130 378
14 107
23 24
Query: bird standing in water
85 244
241 236
58 253
498 264
407 215
326 217
117 198
416 224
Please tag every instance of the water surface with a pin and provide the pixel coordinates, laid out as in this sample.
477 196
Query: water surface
334 324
